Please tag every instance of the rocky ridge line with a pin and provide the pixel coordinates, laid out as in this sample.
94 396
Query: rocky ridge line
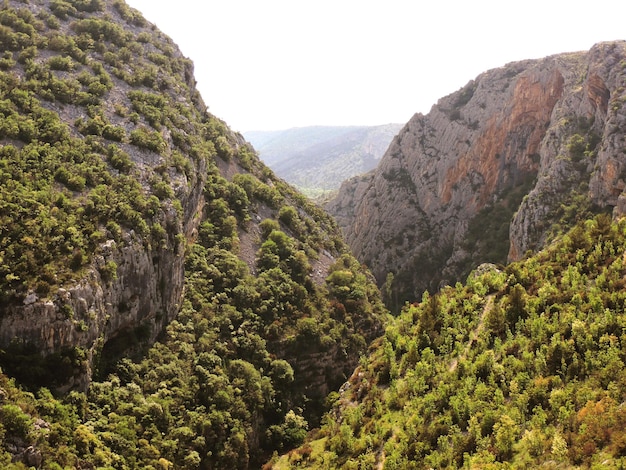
523 149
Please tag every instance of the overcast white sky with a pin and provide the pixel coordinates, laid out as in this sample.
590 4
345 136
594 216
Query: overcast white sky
277 64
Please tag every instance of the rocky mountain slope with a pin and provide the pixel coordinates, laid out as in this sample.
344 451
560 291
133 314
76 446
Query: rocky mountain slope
318 159
493 170
102 176
187 307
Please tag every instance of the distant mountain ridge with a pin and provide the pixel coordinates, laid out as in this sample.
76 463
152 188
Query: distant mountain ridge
320 158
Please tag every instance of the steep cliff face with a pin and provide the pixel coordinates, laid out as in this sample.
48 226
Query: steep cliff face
522 149
106 259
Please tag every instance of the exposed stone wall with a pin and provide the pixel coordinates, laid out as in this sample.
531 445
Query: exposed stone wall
508 127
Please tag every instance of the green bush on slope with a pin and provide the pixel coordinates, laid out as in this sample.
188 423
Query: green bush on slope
65 181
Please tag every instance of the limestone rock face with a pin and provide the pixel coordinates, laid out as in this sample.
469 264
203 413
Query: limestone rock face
523 149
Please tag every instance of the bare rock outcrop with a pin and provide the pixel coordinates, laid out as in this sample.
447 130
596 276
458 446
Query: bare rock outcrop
523 149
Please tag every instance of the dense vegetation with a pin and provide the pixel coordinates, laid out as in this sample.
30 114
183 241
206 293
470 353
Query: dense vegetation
104 137
518 368
227 385
70 164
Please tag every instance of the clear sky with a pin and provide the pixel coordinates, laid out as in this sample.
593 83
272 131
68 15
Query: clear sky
277 64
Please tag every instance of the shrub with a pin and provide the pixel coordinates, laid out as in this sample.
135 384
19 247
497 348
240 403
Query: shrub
288 215
119 159
62 63
102 29
62 9
109 271
116 133
15 421
267 226
89 5
150 140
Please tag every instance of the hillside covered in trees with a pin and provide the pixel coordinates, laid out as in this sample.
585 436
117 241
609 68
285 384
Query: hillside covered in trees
521 367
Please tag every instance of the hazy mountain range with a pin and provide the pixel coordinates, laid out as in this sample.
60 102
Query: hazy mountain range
317 159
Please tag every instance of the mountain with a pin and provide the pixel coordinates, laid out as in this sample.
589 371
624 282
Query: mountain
318 159
165 300
516 368
493 170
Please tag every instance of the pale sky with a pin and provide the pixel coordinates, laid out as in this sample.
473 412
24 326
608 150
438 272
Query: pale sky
277 64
